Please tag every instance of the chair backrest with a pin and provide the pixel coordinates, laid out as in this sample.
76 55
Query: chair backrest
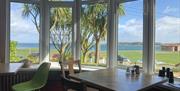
70 63
70 83
41 74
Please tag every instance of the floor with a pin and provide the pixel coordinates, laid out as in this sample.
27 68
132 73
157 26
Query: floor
53 86
57 86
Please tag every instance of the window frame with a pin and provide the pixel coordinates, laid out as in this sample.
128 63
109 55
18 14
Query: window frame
44 50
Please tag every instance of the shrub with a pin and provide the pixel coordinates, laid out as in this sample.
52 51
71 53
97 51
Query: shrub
13 51
55 57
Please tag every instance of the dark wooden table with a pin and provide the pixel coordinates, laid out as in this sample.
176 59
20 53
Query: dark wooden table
9 67
118 80
169 87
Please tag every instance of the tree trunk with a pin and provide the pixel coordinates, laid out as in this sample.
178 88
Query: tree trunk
97 51
84 57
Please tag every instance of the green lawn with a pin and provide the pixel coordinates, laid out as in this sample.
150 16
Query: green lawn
167 57
25 52
131 55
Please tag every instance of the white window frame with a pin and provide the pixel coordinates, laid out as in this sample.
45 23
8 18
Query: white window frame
148 39
149 36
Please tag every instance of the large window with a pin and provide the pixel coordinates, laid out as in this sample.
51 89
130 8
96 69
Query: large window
60 34
167 38
130 34
94 34
24 32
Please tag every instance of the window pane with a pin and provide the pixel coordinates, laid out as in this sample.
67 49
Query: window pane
94 34
24 34
130 34
168 35
60 33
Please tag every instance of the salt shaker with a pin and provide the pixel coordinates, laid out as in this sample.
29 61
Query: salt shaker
128 70
136 69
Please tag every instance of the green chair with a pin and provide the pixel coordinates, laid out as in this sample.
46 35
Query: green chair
38 81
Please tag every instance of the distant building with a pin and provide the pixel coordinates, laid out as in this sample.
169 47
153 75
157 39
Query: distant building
171 47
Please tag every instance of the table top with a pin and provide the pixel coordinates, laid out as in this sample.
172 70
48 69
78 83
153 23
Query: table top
170 86
118 80
9 67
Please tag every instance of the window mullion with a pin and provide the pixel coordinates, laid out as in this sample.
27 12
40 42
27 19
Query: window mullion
148 36
44 30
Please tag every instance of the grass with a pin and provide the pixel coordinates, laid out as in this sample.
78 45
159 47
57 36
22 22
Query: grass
166 57
131 55
26 52
170 58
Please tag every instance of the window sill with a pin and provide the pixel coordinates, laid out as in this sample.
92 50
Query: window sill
56 66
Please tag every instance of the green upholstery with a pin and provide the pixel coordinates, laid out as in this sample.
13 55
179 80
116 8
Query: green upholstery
37 82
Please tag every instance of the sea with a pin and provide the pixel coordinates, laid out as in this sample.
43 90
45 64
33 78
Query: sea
103 46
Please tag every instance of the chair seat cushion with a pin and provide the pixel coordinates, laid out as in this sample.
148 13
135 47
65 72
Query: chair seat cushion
27 86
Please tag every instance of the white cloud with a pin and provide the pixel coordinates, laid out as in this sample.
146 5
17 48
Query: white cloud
20 24
167 30
22 29
169 9
131 31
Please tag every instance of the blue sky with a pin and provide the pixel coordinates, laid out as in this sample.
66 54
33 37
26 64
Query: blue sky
130 25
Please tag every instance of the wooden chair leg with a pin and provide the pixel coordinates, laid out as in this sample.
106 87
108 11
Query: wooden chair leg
84 87
65 89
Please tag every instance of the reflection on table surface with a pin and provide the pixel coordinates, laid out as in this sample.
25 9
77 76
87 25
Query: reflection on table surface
118 79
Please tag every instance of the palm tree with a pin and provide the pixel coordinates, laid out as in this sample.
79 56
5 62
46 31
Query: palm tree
97 19
94 26
60 26
32 10
87 40
61 31
91 12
